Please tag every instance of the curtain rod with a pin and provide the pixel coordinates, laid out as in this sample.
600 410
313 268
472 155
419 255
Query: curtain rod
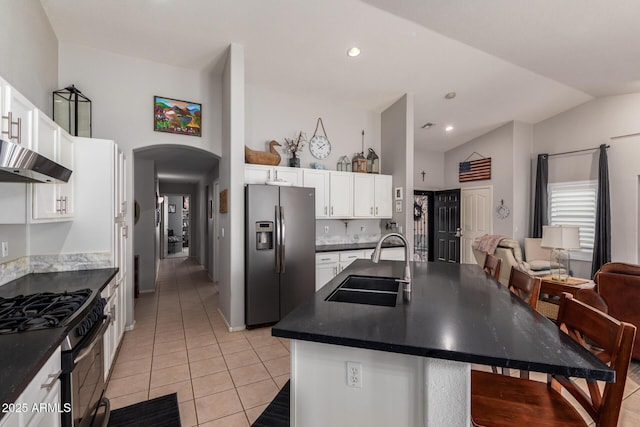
575 151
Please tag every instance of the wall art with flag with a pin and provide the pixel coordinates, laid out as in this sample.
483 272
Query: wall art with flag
475 170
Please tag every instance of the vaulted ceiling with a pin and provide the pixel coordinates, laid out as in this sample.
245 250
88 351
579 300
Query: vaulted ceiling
505 59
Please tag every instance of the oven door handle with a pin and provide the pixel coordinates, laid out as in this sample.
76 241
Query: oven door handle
107 404
86 351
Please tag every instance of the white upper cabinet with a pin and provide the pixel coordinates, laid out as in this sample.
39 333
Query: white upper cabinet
372 196
318 179
363 195
52 201
17 109
338 194
341 195
383 198
259 174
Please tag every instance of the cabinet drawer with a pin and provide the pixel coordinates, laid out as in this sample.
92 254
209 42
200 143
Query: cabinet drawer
351 255
327 258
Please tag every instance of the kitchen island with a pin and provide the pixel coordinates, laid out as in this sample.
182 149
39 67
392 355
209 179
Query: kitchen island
415 358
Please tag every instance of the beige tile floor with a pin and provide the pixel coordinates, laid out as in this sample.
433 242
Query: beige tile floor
181 345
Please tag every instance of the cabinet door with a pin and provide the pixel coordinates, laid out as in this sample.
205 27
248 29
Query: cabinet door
256 174
383 196
341 195
324 273
46 201
20 108
47 417
319 180
292 175
363 195
65 158
122 184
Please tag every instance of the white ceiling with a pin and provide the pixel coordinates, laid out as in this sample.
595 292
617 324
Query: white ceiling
506 59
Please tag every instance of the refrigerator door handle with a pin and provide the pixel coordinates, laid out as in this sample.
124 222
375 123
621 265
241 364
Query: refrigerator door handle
278 243
282 240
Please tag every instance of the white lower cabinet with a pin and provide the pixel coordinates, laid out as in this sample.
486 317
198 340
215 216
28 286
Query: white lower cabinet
347 257
113 293
39 403
327 264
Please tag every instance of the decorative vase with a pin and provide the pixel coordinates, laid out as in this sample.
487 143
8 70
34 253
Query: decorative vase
294 162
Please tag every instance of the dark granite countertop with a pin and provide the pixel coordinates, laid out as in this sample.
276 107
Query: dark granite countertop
456 312
390 243
23 354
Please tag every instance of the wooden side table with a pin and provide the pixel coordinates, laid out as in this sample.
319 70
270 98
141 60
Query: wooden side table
552 288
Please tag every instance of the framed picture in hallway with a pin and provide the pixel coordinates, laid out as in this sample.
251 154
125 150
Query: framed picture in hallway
172 208
176 116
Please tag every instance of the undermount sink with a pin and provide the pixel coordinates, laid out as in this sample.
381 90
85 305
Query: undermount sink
370 290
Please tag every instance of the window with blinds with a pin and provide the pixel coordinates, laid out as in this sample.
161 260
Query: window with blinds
574 203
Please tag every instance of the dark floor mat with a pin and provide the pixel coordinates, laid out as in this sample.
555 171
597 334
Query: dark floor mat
159 412
277 413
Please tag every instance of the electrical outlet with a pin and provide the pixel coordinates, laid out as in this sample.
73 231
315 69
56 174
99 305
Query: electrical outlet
5 249
354 374
326 229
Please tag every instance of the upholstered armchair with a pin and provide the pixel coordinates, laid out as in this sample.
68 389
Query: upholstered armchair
510 253
619 286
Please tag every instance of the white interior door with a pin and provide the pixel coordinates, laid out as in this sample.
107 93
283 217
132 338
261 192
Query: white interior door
475 219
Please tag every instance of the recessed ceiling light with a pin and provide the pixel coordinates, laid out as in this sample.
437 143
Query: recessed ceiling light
450 95
448 128
427 125
354 51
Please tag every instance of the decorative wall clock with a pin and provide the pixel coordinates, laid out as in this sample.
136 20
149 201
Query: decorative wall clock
319 145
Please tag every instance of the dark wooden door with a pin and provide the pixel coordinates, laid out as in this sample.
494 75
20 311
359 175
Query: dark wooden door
447 226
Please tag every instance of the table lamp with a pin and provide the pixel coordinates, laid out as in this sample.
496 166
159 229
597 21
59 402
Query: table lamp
560 238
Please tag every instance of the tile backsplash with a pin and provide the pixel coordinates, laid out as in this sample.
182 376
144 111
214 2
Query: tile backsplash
335 231
46 263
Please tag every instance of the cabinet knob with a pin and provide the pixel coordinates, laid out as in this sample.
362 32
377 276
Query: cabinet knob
376 210
331 210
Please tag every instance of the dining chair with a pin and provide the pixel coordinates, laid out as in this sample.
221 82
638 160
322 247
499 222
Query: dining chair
528 289
492 266
525 286
502 401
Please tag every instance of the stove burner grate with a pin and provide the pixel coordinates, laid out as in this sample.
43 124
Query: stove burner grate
39 311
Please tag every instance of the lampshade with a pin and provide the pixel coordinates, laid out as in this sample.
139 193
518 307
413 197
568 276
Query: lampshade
560 236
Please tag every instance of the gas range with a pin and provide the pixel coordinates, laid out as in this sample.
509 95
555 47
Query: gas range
77 310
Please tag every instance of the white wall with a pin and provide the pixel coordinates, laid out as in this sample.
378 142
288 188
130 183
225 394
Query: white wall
432 163
271 115
397 148
16 236
29 51
121 89
522 147
587 126
497 144
144 231
231 231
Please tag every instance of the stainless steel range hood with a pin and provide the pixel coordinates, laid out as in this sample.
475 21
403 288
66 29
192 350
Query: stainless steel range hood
19 164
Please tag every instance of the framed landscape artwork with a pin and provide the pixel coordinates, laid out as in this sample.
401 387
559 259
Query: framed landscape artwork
176 116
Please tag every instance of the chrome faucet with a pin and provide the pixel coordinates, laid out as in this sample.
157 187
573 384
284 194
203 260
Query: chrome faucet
375 257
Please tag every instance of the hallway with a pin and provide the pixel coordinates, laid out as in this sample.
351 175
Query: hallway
181 344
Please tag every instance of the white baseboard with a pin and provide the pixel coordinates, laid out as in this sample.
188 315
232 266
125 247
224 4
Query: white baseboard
229 327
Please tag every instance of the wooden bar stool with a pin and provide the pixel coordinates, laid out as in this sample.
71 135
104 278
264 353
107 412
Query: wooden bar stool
492 266
502 401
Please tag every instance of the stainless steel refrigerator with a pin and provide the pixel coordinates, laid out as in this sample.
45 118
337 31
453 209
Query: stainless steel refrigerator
279 250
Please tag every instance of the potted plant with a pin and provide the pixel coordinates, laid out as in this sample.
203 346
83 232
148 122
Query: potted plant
294 146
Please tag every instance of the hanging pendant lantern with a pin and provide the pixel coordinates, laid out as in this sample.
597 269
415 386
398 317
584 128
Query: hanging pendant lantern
373 162
72 111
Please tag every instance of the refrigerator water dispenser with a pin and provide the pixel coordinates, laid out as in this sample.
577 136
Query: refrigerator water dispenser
264 235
